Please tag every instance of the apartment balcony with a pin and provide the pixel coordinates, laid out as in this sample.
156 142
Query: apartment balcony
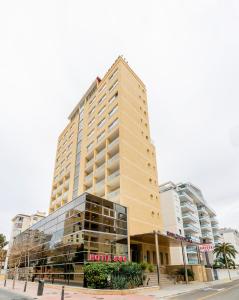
89 179
204 219
193 238
114 195
113 180
185 198
214 221
189 217
193 261
190 228
100 188
66 184
113 145
89 165
216 234
187 207
205 228
89 190
100 156
100 171
207 235
191 250
113 161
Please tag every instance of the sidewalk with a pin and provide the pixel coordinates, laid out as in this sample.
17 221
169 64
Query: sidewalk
178 289
53 292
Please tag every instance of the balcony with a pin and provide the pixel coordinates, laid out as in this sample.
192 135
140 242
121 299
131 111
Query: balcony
205 228
192 261
114 179
100 171
186 206
189 217
207 235
214 221
88 179
100 156
191 250
100 188
89 165
89 190
204 219
66 184
193 238
189 227
113 161
114 195
114 144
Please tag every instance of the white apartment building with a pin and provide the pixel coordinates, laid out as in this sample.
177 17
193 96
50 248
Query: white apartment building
22 222
229 235
185 212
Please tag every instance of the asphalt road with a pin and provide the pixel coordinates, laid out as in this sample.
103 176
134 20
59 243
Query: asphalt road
6 295
227 291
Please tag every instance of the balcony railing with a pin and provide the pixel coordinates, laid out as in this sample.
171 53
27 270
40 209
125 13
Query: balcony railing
187 205
100 154
114 158
89 177
100 184
114 175
112 144
189 216
113 194
89 163
190 227
193 261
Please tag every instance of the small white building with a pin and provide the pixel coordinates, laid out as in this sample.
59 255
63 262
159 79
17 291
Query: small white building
231 236
22 222
185 212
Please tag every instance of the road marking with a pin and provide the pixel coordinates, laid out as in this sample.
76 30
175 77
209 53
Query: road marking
220 292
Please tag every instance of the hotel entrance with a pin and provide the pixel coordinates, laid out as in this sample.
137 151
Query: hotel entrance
156 249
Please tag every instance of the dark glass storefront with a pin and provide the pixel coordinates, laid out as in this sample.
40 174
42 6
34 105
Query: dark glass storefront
56 247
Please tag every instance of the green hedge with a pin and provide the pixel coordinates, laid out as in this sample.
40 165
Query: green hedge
113 275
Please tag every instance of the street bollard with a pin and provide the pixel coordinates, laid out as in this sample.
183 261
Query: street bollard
13 283
40 288
5 283
25 287
62 292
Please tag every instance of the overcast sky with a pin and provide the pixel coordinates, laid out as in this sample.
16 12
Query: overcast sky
186 52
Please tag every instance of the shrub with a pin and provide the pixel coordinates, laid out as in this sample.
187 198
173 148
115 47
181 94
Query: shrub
181 272
113 275
150 268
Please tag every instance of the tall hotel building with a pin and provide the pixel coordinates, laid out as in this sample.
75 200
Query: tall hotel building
106 150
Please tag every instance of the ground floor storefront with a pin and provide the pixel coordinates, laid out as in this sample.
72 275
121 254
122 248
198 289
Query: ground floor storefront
91 229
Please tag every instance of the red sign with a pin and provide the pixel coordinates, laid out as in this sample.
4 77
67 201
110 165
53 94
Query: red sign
107 258
206 247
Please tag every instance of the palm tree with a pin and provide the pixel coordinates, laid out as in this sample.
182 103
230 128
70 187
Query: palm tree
226 252
3 243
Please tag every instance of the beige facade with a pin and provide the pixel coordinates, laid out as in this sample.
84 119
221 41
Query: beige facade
106 149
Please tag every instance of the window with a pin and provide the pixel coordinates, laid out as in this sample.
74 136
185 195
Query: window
102 99
113 86
113 124
101 123
113 110
100 136
101 111
91 121
166 257
113 74
113 97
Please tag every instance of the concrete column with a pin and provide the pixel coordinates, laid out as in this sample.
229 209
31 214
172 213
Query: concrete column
157 255
184 262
